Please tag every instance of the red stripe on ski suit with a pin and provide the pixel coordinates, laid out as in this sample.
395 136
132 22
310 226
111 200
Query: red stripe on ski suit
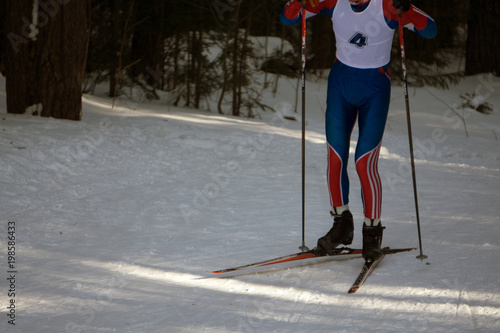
334 178
367 168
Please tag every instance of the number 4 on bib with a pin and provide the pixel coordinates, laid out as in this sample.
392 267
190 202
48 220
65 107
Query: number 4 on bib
359 40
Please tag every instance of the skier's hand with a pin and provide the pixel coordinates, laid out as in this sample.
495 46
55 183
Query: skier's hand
402 5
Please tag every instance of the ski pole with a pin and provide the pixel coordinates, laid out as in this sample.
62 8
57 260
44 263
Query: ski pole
421 256
303 247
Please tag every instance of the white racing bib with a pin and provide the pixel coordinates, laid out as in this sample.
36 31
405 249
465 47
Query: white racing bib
363 39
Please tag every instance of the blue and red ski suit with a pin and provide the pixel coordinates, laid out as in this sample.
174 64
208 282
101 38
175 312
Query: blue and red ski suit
359 87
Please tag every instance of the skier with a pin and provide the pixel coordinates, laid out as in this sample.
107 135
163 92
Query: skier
359 87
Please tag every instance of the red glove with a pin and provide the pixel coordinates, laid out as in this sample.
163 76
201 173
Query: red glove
292 9
402 5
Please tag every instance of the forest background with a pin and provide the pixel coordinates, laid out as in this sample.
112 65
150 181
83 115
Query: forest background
52 51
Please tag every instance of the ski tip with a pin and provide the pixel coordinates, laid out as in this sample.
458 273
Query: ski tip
352 290
219 272
388 250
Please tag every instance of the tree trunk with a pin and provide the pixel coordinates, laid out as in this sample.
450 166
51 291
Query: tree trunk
45 57
198 57
234 64
148 42
483 49
114 44
225 75
322 43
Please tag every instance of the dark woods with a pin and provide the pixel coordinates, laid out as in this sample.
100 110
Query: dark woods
192 51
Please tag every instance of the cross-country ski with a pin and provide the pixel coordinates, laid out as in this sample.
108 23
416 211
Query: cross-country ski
340 254
367 269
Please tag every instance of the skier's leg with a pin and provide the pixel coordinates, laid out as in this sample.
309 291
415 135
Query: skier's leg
339 122
372 120
340 119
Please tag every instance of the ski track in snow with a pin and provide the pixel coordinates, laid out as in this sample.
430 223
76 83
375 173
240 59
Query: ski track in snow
118 217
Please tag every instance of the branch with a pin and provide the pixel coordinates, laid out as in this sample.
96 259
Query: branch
451 108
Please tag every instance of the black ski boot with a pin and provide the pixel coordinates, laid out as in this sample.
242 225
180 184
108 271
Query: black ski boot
372 241
342 232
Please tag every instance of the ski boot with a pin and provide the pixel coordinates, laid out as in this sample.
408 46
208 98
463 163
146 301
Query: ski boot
372 241
342 232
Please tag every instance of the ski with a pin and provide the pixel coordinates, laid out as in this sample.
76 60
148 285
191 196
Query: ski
341 253
367 269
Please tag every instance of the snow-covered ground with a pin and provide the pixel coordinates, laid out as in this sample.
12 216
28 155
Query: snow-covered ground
118 216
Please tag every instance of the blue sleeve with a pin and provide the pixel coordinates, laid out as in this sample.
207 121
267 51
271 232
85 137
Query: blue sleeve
430 31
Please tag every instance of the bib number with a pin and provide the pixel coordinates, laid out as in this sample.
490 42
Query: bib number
359 40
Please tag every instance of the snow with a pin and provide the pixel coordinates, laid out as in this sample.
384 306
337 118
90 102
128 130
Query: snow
118 216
